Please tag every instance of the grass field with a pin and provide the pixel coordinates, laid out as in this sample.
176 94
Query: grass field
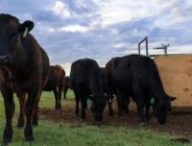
50 133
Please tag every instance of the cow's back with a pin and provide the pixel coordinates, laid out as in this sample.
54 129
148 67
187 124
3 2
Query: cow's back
86 73
144 72
55 78
130 71
46 67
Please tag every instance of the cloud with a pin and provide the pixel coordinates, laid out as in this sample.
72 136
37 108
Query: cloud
59 8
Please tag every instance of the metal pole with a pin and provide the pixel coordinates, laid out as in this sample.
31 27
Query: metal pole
147 51
165 50
139 49
146 45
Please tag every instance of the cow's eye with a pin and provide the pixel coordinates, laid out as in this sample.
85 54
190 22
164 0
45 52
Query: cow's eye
13 37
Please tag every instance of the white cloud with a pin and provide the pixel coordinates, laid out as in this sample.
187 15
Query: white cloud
59 8
75 28
68 28
124 10
118 11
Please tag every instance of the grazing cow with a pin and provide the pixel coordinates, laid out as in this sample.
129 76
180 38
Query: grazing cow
65 87
86 81
110 97
28 64
55 83
138 77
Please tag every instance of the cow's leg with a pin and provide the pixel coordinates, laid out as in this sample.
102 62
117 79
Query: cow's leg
110 102
119 102
22 102
83 107
125 104
139 99
60 92
120 105
140 107
9 111
36 110
56 94
147 111
30 106
65 94
77 103
35 115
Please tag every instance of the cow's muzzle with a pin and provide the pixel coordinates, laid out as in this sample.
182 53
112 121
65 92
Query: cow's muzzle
4 59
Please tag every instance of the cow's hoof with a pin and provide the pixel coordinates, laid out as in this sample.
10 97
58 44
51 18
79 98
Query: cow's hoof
126 113
83 122
20 125
5 142
181 140
7 136
29 139
76 114
111 113
30 143
35 123
99 123
142 124
57 110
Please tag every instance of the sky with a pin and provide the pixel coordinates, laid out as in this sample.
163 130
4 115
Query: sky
101 29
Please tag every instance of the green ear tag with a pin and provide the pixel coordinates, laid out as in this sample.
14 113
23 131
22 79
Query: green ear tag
25 32
89 101
152 101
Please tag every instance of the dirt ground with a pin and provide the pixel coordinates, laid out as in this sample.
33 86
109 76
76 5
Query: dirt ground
179 120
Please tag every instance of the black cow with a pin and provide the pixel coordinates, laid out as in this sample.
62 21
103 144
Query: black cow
28 64
138 77
86 81
65 87
56 83
109 96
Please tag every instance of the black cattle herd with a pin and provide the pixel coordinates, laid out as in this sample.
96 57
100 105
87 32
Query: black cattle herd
25 70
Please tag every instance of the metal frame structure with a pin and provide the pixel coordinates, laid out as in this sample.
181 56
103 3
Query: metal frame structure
146 44
164 47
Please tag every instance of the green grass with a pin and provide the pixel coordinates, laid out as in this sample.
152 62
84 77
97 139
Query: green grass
49 133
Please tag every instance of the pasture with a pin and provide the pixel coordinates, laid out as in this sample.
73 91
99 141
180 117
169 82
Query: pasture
65 129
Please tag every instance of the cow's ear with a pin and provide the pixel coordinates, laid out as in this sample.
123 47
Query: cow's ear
172 98
26 27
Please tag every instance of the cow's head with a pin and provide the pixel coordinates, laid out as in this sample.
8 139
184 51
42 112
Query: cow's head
11 35
98 105
161 108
